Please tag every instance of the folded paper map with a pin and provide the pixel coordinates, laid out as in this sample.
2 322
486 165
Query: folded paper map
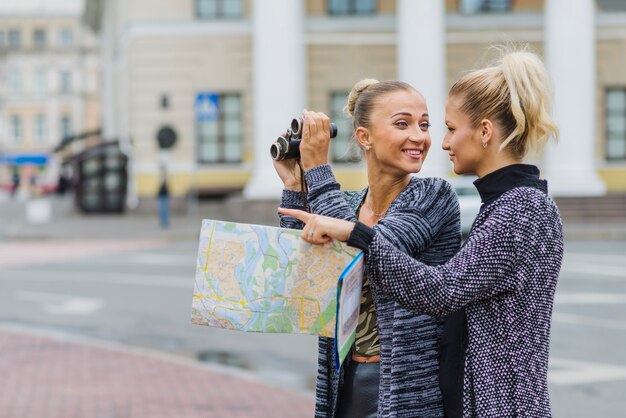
266 279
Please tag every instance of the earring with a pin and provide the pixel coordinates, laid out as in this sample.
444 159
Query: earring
484 145
367 148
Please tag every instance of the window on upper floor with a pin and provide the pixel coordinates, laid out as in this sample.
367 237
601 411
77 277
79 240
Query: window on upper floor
219 9
14 39
14 81
615 121
351 7
343 148
40 129
66 126
66 37
65 85
39 38
485 6
612 5
219 130
40 84
16 129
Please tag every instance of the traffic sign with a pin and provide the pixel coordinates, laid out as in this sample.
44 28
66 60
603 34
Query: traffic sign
207 106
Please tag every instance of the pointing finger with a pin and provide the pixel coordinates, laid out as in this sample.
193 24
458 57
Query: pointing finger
296 213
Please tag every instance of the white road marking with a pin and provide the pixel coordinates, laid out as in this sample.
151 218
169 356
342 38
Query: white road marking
106 278
590 298
612 324
58 304
596 258
594 270
162 259
573 372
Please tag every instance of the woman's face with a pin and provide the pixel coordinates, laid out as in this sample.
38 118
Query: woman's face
398 133
462 141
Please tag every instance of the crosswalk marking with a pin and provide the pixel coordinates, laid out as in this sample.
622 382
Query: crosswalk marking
573 372
62 304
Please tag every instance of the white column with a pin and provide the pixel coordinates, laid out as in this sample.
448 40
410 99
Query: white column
570 45
421 52
279 77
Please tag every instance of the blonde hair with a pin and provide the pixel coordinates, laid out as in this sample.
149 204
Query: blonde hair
516 93
366 94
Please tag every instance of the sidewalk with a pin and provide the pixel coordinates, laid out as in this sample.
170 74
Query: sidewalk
66 223
51 377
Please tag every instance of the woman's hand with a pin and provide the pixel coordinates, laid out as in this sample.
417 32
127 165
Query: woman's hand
315 139
289 173
320 229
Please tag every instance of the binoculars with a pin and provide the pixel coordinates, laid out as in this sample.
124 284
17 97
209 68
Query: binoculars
288 146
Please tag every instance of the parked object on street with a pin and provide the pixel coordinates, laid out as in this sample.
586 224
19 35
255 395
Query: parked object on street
469 201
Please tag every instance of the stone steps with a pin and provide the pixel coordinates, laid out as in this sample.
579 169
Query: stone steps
611 207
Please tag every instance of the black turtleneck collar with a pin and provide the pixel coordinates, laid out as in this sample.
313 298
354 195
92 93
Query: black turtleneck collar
494 184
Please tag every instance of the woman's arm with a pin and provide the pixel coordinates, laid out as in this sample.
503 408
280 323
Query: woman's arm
291 199
413 224
484 266
325 196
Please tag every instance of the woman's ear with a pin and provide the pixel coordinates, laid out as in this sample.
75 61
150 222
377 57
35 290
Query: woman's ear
486 131
362 137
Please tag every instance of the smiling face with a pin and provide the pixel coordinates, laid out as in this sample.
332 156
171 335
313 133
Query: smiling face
462 141
398 134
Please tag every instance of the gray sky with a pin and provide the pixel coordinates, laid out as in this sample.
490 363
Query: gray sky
39 7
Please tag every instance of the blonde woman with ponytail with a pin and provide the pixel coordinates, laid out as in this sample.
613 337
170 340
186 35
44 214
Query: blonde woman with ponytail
497 292
392 370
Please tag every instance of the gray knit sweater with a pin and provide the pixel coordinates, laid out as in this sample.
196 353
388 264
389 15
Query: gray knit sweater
423 222
505 275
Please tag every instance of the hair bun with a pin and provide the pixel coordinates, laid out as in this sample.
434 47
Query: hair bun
355 93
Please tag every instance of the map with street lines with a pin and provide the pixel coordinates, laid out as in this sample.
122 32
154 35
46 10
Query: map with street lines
266 279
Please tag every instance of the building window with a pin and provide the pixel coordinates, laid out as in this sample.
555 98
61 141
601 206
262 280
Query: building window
220 137
39 38
66 37
216 9
41 85
40 129
343 148
66 127
16 129
611 5
14 81
485 6
14 39
616 124
66 82
351 7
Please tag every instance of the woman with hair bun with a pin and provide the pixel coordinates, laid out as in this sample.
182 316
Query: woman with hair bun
505 274
392 369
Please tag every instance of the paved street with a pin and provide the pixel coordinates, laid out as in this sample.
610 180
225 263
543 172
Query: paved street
67 299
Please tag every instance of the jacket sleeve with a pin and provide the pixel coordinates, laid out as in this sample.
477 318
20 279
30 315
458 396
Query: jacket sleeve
291 200
485 266
325 196
427 211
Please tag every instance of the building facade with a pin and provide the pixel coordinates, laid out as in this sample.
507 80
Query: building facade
49 86
226 77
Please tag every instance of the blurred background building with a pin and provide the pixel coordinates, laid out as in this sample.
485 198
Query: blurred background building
199 89
49 88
